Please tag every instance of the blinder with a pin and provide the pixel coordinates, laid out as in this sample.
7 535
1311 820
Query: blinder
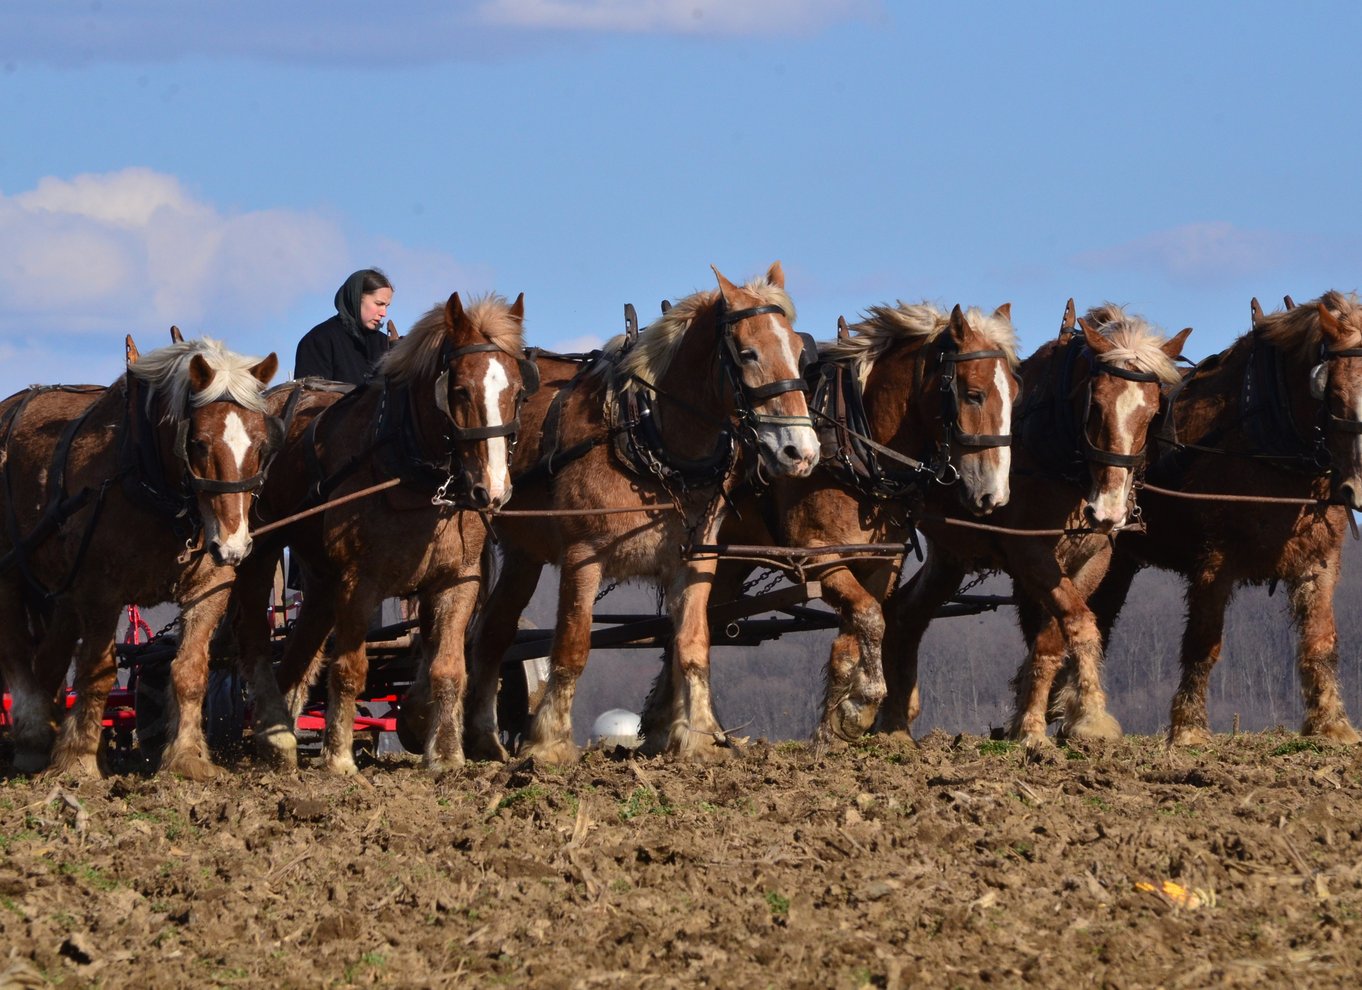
1094 453
747 396
1319 385
274 439
949 359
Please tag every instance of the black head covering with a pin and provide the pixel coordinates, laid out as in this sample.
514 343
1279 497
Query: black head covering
348 301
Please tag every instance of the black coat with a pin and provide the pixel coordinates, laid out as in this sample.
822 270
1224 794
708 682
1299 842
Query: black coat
330 351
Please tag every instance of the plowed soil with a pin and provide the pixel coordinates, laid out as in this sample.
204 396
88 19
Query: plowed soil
958 862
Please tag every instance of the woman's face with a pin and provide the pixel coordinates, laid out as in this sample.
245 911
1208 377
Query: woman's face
373 307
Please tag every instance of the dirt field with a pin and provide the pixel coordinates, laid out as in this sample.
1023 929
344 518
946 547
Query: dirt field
956 863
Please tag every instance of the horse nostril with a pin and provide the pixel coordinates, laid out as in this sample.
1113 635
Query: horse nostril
1090 512
792 453
482 498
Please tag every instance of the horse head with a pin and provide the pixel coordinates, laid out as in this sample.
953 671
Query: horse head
1116 387
766 360
214 436
1336 383
484 376
976 393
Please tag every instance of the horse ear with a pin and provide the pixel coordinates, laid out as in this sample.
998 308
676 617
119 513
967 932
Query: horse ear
1288 302
726 288
1255 311
1066 325
265 370
775 275
453 310
958 326
392 332
1004 312
1329 325
1173 346
200 373
130 350
175 336
518 308
1095 340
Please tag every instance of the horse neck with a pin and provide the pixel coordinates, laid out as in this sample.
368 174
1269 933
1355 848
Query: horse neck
694 403
895 397
1213 402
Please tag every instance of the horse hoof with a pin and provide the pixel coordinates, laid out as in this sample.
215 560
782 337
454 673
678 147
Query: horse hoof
443 764
1189 735
852 719
560 754
1339 732
1095 725
1037 741
191 767
705 747
484 746
276 746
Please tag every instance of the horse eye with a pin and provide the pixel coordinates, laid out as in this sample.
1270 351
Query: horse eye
747 355
198 446
974 397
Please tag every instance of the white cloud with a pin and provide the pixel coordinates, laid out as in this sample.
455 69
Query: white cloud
709 17
349 32
134 249
1213 251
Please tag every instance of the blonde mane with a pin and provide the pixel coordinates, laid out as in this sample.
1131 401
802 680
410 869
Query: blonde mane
166 371
1296 331
417 355
657 344
884 326
1138 342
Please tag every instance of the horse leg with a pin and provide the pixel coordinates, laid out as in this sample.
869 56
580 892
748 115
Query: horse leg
303 654
910 611
349 673
271 724
1035 677
550 738
1312 607
1085 707
664 705
1208 595
494 634
186 751
855 678
77 747
34 715
698 733
446 674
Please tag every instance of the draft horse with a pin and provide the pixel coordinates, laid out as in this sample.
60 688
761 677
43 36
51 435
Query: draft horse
914 406
1089 398
136 492
441 417
1277 415
663 427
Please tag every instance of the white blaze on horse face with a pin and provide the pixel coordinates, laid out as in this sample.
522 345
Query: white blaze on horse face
985 473
233 547
1130 417
789 449
494 383
236 438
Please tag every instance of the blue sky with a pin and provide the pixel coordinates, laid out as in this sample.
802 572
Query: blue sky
223 166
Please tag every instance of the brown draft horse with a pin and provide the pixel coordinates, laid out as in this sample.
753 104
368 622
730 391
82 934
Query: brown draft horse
668 424
916 402
1089 398
113 495
1278 415
441 414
